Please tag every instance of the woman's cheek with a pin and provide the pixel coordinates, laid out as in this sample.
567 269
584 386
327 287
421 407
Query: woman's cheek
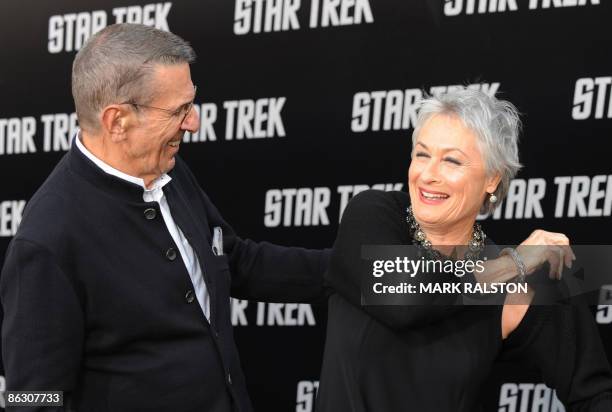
456 178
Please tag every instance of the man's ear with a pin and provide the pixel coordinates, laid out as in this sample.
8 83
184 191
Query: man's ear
115 120
492 183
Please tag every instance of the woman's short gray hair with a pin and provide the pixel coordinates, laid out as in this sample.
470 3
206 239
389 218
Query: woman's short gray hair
115 65
496 124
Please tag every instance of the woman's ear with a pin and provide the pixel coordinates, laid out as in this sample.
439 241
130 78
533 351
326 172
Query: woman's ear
492 182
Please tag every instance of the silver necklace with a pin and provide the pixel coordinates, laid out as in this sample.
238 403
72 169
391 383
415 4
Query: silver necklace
475 245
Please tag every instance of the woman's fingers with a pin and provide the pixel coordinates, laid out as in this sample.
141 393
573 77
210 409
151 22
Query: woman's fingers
550 247
554 258
569 256
565 251
561 252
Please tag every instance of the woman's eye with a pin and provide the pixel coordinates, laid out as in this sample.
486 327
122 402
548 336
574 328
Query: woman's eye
421 154
453 160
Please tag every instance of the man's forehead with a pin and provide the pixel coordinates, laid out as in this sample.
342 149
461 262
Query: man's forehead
173 80
179 72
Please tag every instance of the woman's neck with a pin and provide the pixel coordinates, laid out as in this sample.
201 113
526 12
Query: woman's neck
445 239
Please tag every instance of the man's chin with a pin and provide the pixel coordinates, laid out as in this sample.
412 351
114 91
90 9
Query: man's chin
170 163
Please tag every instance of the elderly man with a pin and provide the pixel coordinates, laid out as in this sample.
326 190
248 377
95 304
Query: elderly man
116 287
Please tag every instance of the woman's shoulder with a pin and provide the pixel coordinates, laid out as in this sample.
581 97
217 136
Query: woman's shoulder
392 202
376 214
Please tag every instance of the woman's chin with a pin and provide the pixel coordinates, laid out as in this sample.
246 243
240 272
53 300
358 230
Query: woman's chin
430 216
433 223
429 219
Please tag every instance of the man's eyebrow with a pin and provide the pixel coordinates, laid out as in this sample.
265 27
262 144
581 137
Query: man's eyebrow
187 103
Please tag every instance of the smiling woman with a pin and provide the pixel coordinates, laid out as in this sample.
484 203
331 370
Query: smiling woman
464 156
435 358
447 178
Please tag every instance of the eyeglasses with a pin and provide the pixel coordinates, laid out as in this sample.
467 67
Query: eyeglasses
181 113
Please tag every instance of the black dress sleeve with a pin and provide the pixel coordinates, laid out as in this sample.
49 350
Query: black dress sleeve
563 342
378 218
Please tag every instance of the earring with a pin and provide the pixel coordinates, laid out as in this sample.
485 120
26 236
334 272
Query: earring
492 198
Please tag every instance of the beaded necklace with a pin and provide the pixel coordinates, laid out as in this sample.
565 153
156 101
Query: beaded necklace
475 245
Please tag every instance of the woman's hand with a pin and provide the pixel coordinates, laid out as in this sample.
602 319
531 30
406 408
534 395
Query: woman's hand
542 246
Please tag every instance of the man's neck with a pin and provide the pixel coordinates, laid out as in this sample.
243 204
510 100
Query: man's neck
99 147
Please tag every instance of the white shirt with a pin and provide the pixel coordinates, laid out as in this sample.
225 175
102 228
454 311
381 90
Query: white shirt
156 194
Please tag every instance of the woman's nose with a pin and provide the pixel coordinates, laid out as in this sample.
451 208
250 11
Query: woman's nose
431 172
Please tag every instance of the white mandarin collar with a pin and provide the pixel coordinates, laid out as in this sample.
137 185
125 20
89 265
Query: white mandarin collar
156 184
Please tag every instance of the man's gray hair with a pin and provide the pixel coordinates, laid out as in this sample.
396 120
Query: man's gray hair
115 65
496 124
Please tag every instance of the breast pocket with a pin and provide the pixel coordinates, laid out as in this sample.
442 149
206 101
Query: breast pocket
220 275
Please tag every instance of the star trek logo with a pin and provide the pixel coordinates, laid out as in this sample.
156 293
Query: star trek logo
468 7
522 397
265 16
68 32
592 98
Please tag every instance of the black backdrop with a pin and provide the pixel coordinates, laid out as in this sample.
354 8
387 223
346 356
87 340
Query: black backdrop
322 107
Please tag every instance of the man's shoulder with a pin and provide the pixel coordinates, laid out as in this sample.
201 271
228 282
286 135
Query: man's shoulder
55 187
49 209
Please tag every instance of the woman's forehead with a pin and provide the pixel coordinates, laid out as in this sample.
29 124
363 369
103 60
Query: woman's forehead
446 132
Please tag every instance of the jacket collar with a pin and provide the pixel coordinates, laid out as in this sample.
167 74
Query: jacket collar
82 165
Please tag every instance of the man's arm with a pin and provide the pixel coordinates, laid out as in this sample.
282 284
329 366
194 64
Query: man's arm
268 272
261 270
42 330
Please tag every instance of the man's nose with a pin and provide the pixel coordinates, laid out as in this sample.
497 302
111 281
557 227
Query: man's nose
191 123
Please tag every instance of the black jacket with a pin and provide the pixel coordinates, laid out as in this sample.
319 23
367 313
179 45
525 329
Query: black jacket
98 303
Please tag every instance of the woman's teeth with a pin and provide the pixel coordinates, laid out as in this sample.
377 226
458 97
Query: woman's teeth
174 143
427 195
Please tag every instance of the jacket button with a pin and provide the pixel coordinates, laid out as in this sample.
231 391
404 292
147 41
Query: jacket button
229 378
171 254
150 213
189 296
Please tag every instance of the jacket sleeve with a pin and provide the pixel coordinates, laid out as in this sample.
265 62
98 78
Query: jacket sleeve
563 342
42 330
267 272
377 218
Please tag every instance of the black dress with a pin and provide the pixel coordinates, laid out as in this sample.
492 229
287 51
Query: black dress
436 358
